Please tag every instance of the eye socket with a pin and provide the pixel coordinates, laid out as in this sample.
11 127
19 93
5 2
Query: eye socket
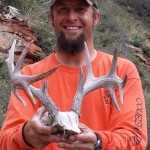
63 10
81 10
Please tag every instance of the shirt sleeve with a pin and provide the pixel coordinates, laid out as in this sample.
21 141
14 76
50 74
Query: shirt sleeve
127 130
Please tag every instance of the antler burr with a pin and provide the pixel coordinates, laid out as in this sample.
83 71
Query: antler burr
67 122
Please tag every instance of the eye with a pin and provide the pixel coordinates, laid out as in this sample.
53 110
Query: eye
81 10
62 10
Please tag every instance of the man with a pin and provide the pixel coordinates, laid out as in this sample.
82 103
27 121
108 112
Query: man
102 126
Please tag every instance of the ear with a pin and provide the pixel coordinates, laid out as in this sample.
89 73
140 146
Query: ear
97 18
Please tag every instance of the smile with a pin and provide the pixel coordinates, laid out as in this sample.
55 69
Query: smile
72 28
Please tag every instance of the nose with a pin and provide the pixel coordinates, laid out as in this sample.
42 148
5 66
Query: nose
72 16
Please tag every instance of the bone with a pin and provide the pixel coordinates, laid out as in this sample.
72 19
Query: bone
67 122
18 80
111 80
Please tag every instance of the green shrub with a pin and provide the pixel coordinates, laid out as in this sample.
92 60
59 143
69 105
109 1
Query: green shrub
107 41
4 91
147 35
146 50
142 7
137 41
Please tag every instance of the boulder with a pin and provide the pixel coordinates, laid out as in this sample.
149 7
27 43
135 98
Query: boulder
16 28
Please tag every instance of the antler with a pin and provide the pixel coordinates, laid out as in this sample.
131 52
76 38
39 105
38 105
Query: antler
111 81
67 122
18 80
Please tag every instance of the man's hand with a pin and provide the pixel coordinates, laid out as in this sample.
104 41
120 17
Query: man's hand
39 136
83 141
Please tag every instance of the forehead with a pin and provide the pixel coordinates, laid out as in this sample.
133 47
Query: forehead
71 2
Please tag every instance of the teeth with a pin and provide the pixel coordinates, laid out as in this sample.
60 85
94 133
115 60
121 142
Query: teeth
72 28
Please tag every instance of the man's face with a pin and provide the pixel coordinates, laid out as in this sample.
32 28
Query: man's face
73 18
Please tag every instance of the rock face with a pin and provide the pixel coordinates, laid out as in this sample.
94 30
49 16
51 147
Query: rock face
14 27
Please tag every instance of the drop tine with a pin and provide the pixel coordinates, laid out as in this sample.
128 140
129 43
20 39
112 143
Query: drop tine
112 93
121 86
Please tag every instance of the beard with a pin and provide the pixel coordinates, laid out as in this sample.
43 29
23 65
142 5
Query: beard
70 46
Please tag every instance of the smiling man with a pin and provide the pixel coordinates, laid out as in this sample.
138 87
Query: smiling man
102 125
73 22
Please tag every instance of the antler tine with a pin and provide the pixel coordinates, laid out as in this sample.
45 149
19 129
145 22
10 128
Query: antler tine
113 97
114 62
21 58
10 64
77 101
18 80
112 73
10 60
112 93
88 64
111 80
14 90
90 83
41 76
34 78
43 96
31 79
121 86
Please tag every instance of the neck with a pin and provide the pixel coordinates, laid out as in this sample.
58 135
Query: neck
77 59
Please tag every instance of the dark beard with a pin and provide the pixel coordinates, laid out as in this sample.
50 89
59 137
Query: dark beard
70 46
